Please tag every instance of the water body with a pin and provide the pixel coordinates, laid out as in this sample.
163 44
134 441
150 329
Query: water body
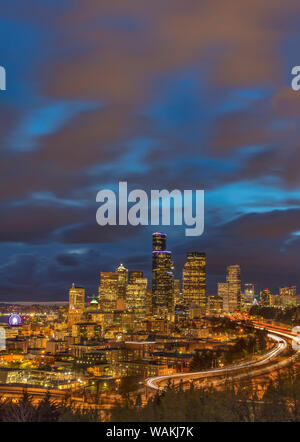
34 302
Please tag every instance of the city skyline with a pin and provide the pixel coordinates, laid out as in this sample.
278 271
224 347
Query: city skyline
192 281
221 287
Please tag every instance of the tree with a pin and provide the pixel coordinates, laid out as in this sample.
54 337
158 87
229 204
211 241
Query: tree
138 401
47 410
127 385
24 411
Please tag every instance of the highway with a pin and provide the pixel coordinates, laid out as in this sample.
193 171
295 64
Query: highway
158 383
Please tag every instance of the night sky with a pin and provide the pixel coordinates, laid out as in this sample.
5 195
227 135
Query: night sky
161 94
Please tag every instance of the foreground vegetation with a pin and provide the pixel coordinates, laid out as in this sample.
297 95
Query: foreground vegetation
255 342
46 411
288 315
278 402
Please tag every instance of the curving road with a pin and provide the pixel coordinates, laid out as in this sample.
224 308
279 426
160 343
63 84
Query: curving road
158 382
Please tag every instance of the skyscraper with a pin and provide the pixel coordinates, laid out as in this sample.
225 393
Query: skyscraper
76 304
249 293
265 297
122 273
233 278
194 279
288 291
159 241
108 291
162 278
214 305
223 293
136 297
177 291
134 274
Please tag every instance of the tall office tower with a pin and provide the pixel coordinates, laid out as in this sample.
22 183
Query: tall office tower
288 291
122 273
214 305
233 278
223 293
177 291
194 279
159 241
162 278
108 291
265 298
76 304
133 275
149 303
136 297
249 293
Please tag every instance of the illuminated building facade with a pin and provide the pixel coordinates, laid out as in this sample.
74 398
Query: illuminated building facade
136 297
76 304
87 330
194 279
93 304
122 273
149 303
177 299
159 241
232 298
215 305
288 291
289 300
223 294
265 298
162 278
249 293
133 275
108 291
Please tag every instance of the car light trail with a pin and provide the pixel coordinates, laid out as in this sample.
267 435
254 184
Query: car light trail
280 347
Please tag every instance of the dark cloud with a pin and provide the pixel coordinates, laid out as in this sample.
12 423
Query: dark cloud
28 223
188 95
67 260
92 233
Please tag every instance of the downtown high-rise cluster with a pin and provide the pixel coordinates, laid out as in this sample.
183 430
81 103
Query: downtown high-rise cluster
128 291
